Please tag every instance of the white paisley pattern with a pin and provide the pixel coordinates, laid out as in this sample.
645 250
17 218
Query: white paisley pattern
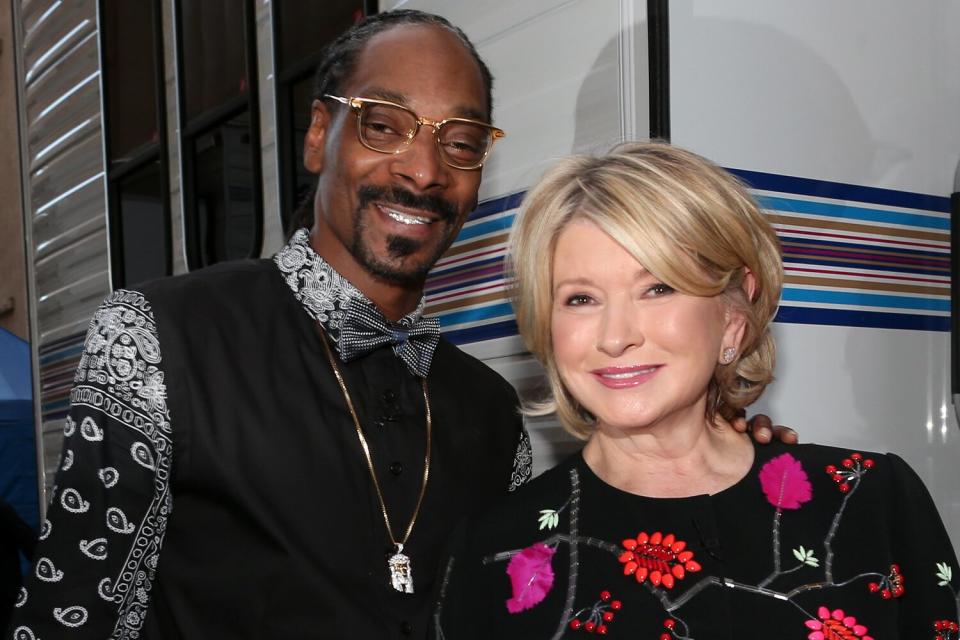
325 294
120 378
522 462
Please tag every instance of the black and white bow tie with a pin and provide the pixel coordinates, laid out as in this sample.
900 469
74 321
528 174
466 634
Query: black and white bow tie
365 328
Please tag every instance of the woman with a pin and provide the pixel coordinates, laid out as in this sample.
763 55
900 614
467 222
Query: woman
651 318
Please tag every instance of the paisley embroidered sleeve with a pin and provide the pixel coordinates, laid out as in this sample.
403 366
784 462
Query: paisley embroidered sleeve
99 545
522 460
924 555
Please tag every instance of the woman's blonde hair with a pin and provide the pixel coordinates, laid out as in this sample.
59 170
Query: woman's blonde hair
671 210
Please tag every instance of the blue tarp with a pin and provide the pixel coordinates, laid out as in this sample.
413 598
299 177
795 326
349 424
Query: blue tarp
18 458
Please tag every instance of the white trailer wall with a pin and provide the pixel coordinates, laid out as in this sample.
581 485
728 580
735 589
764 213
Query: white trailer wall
865 93
857 94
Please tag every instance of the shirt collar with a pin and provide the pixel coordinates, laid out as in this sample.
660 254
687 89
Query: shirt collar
325 295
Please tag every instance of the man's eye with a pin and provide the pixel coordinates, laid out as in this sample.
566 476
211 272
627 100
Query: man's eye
380 128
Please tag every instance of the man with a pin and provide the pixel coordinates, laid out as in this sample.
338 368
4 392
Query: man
278 449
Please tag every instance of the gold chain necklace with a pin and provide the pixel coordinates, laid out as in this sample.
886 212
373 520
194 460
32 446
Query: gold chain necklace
401 572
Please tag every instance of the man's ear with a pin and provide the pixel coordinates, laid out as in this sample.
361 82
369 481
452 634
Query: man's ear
315 140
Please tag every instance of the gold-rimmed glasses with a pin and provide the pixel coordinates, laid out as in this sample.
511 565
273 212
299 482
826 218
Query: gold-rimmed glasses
388 127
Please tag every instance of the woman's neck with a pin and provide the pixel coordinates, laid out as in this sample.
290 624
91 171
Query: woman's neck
674 462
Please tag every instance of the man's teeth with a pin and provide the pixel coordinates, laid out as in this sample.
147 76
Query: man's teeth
404 218
628 374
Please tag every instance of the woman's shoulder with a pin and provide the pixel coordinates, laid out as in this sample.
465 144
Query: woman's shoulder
522 511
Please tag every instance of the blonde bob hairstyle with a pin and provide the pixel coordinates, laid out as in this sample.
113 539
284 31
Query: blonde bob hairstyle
687 221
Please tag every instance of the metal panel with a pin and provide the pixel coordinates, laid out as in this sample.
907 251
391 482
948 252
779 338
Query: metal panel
844 93
172 98
65 205
63 104
269 153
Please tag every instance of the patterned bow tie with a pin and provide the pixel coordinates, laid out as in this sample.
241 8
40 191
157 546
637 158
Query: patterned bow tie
351 320
365 329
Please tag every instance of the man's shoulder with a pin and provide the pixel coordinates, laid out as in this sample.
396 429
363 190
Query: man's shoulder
452 363
519 513
225 278
234 284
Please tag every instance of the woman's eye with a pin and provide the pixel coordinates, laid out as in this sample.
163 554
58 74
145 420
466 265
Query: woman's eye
659 289
578 300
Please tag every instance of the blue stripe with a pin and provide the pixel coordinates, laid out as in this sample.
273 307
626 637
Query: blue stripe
483 332
497 205
864 299
796 258
842 191
853 318
792 205
480 313
497 224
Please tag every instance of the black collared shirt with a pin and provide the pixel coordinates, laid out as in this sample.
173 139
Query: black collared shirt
213 484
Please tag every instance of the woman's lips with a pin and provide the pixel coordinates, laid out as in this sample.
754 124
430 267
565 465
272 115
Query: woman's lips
625 377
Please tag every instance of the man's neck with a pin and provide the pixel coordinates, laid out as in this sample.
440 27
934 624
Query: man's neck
394 300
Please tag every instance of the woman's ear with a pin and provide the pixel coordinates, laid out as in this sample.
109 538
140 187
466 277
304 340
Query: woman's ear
314 141
749 284
737 320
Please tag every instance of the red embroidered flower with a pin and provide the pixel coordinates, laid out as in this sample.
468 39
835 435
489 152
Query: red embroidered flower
660 558
835 625
946 630
598 616
891 586
853 468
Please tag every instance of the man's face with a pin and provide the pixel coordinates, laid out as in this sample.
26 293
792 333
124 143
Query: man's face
391 216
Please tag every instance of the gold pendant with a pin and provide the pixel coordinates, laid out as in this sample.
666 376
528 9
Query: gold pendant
401 574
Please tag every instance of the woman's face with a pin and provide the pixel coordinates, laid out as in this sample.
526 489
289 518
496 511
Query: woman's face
631 350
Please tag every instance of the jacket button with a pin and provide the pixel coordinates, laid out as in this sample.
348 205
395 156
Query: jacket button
406 628
396 468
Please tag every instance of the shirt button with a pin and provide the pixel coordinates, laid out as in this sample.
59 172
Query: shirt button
406 628
389 396
396 468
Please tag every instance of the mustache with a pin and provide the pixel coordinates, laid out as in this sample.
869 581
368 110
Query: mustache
395 195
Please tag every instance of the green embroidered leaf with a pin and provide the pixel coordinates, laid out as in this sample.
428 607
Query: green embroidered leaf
806 556
945 573
549 519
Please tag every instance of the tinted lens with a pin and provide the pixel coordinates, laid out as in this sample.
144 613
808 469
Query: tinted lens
386 128
465 144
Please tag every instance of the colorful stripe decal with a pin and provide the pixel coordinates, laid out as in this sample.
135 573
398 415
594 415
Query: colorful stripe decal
58 365
853 256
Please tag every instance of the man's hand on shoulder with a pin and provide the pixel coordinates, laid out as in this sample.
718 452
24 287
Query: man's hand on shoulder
762 429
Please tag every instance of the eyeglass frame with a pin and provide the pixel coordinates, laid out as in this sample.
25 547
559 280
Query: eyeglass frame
356 104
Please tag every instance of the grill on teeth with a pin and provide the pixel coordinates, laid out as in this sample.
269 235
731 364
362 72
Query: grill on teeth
403 218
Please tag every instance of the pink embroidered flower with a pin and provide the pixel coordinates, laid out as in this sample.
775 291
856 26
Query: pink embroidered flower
531 577
835 625
785 483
